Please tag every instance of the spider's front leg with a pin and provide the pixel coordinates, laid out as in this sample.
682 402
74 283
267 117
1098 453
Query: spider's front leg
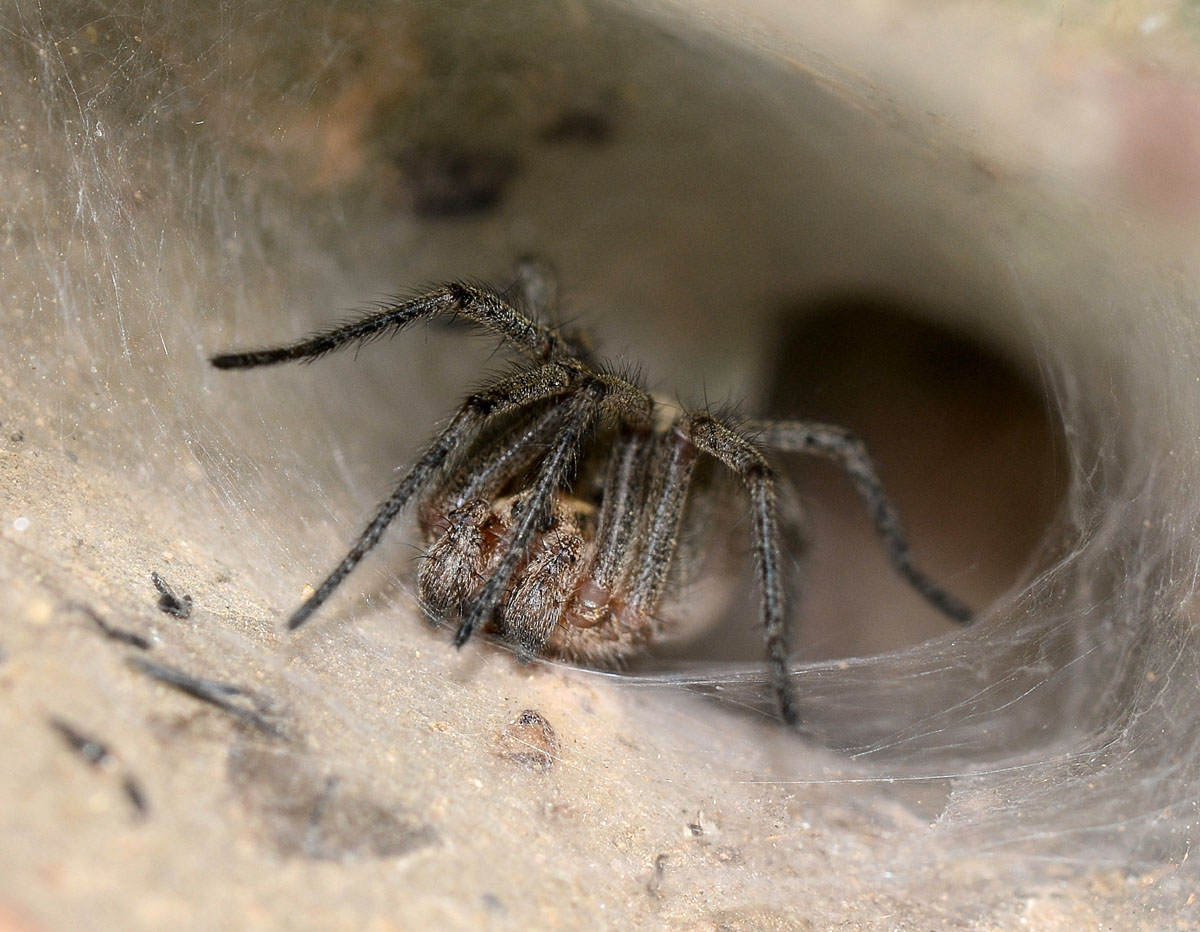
461 520
583 406
512 394
482 307
621 507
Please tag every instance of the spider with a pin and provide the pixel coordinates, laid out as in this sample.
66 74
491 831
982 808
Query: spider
552 502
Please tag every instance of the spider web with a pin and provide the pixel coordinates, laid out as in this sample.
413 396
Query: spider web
174 192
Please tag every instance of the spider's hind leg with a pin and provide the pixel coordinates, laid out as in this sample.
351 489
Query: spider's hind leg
536 287
742 457
844 448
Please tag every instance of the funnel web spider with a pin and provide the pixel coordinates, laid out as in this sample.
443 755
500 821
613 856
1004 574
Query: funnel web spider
552 501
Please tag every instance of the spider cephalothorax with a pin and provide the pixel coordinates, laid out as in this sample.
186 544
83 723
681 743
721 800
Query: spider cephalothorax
552 502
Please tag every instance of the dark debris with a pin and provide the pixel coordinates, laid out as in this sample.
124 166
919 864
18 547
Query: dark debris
135 795
657 875
97 754
168 601
131 638
90 749
241 703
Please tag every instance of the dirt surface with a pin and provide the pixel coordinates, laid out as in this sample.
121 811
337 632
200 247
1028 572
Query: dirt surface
197 177
384 790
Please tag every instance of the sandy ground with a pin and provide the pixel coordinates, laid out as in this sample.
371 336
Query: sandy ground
194 178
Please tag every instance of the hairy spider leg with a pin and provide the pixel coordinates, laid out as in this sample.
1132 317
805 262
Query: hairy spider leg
742 457
454 566
511 394
674 458
584 407
481 306
622 503
616 532
645 491
844 448
536 287
514 450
